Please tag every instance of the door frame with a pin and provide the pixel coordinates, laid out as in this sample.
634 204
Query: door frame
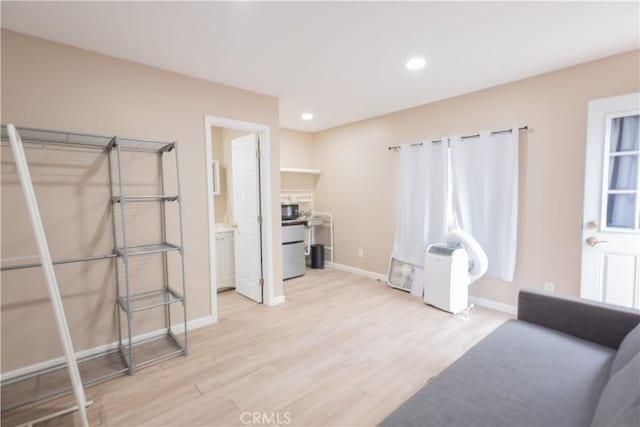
264 134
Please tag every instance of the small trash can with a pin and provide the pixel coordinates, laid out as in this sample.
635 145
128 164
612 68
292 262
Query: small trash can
317 255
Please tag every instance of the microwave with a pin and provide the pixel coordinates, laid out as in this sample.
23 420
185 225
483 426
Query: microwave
289 212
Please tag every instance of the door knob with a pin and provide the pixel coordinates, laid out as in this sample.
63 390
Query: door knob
592 241
591 225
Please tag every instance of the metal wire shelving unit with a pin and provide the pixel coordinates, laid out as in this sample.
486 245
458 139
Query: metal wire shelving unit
130 353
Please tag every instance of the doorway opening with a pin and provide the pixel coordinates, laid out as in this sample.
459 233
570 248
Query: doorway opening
238 193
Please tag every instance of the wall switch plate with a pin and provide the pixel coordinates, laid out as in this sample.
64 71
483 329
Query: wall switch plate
549 287
361 252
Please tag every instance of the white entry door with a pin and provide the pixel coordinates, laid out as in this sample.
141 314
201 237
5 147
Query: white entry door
246 212
611 222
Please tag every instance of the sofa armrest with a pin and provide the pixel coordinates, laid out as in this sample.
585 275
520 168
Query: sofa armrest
604 324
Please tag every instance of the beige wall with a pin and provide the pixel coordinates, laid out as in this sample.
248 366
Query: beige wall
296 151
358 173
48 85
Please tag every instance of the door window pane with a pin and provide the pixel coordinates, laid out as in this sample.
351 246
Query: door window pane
624 134
621 210
623 172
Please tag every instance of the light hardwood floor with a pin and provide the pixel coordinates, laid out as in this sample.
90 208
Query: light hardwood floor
343 350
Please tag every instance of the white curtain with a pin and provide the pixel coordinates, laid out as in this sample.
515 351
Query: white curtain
484 172
421 217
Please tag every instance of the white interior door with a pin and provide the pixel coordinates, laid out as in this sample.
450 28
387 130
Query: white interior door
611 222
246 211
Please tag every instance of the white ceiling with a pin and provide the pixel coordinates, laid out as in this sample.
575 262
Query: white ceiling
342 61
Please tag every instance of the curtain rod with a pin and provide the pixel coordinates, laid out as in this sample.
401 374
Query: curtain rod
475 135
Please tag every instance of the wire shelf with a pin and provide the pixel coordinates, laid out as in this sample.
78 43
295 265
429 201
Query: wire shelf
52 382
160 198
153 350
46 137
55 380
147 249
149 300
8 264
49 382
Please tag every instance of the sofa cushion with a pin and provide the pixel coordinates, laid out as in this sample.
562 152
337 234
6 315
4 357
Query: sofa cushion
629 348
520 375
619 404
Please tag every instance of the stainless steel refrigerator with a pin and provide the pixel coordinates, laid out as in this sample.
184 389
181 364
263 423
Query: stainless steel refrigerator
293 257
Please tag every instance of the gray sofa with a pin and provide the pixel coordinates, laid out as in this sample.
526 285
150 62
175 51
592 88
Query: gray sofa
564 362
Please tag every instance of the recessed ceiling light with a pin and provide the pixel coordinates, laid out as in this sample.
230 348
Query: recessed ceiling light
416 63
307 116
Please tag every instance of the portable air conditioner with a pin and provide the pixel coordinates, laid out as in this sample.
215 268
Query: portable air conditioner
448 272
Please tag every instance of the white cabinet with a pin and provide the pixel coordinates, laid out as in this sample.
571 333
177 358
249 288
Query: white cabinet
225 262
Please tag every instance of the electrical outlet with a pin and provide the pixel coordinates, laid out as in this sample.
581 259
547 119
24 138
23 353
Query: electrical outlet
549 287
361 252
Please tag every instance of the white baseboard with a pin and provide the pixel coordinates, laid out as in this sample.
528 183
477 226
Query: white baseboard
493 305
195 323
361 272
482 302
26 370
275 301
